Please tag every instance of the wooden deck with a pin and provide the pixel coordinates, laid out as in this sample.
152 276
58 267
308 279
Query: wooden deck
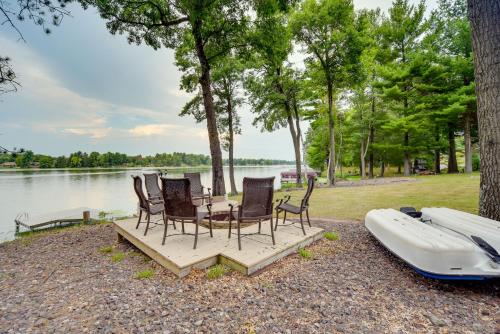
179 257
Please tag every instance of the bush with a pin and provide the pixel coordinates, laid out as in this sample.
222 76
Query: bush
216 271
145 274
331 236
476 162
107 249
118 257
305 254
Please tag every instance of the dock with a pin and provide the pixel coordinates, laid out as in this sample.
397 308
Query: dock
178 255
58 218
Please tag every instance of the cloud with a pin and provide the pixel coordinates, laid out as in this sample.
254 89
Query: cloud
171 130
152 129
92 133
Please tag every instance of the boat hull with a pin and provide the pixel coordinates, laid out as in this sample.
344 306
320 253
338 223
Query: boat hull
432 250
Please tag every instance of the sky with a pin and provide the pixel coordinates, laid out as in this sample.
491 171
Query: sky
84 89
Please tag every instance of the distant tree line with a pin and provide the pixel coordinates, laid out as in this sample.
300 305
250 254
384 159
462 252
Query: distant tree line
79 159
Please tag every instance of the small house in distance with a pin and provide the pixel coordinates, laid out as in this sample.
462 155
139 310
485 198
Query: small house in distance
8 164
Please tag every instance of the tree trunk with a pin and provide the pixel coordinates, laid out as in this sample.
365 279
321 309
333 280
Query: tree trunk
231 146
407 162
382 168
331 135
218 187
399 169
452 151
362 167
437 155
291 127
298 135
372 139
467 143
484 16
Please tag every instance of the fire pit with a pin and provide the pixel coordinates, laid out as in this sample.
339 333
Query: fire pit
220 215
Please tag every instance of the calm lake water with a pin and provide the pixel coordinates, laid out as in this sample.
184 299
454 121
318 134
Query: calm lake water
44 191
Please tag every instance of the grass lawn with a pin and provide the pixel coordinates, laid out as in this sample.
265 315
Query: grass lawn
457 191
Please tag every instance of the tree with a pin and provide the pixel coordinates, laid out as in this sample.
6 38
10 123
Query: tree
36 11
484 16
272 85
453 43
25 159
226 78
208 29
327 29
8 82
402 33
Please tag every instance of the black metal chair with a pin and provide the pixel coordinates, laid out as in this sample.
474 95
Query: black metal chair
285 206
197 189
149 206
256 206
179 207
152 187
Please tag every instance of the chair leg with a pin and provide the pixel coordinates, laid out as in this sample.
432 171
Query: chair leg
272 230
210 226
302 224
229 229
147 225
260 225
196 235
182 223
239 235
276 225
173 223
165 232
307 215
284 218
139 220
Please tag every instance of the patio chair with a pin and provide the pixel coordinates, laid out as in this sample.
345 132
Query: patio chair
179 206
152 187
285 206
256 206
197 189
149 206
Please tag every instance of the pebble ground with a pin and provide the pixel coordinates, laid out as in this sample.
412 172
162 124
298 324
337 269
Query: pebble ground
62 282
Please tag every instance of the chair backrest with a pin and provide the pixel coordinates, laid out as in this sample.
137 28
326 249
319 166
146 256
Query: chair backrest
196 186
177 198
257 198
152 187
143 203
310 188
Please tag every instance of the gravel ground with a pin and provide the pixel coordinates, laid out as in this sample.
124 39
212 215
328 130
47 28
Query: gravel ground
61 282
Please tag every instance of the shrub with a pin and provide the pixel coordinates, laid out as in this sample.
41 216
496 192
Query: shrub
106 249
476 162
145 274
118 257
305 254
216 271
331 236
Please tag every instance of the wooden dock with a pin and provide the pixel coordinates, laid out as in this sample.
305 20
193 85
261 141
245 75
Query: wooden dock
52 219
179 257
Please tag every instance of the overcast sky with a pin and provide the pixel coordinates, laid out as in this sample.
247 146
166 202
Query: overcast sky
85 89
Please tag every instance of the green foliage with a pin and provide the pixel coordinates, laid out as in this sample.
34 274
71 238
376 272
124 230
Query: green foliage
305 254
476 162
106 249
332 236
217 271
118 257
145 274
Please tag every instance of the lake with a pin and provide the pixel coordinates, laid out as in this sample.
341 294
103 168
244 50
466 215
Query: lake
43 191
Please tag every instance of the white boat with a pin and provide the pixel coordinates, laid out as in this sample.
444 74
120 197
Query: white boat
443 244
